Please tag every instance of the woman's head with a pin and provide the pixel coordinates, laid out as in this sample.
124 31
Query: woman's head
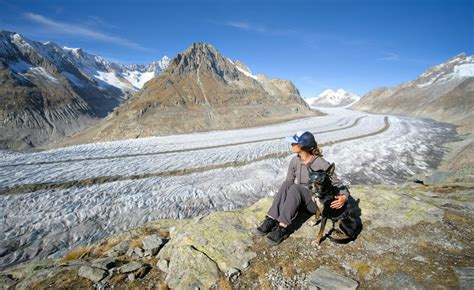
304 141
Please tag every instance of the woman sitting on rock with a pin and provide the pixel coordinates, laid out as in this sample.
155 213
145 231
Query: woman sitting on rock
294 192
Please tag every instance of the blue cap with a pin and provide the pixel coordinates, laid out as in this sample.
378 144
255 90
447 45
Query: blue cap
305 138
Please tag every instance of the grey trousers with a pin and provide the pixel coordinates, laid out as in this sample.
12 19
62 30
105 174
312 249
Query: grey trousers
289 199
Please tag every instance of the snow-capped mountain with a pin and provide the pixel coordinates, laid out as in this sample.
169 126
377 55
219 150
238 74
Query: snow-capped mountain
331 98
49 91
128 78
444 92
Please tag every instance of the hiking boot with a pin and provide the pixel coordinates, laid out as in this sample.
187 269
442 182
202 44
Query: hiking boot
278 234
266 227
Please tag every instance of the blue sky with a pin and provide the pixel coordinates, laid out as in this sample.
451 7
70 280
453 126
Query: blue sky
355 45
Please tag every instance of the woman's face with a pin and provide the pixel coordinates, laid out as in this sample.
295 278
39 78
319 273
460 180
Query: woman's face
295 148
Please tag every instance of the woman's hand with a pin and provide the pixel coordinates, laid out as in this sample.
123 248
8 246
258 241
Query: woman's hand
339 201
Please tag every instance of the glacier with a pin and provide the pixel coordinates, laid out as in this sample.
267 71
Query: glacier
55 200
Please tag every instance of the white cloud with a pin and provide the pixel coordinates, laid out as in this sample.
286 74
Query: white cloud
390 57
54 26
247 26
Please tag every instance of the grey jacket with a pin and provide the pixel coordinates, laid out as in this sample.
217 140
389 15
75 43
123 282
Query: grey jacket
298 172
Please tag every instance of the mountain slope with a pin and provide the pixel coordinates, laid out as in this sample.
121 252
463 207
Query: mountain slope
444 92
331 98
48 92
200 90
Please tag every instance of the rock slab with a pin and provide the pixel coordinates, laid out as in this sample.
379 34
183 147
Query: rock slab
131 267
91 273
325 278
465 277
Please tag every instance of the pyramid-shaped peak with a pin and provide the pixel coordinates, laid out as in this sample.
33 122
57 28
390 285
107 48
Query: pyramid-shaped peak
199 50
202 57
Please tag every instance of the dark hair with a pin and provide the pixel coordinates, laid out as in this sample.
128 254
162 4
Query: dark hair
316 151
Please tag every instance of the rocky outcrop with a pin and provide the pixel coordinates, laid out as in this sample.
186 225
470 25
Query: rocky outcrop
199 91
444 92
415 235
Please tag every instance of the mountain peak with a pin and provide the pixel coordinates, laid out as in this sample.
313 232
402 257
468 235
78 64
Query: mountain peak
462 55
201 56
201 46
333 98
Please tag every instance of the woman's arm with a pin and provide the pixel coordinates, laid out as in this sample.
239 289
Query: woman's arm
343 192
291 174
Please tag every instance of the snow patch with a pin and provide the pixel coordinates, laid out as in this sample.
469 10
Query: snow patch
464 70
137 78
246 73
109 78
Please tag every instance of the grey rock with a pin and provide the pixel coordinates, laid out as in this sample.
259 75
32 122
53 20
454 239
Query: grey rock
233 273
91 273
122 247
131 277
190 268
6 281
139 251
119 249
246 265
148 253
325 278
163 265
400 281
152 242
130 252
114 270
104 263
419 259
102 285
465 277
131 267
111 254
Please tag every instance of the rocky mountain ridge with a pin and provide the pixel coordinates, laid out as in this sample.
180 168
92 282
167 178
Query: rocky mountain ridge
444 92
200 91
48 92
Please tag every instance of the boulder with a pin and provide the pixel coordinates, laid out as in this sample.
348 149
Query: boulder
104 263
152 244
401 281
139 252
224 237
122 247
131 267
233 273
91 273
465 277
325 278
163 265
191 268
